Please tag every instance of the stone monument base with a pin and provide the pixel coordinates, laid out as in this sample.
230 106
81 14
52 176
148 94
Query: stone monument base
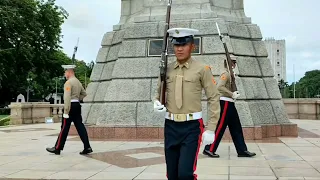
138 133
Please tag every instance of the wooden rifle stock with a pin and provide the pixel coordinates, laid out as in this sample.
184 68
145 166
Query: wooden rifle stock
229 63
164 57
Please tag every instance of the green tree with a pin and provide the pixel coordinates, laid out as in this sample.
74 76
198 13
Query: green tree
29 46
308 86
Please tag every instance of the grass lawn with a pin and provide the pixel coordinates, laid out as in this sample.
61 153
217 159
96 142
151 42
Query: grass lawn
3 116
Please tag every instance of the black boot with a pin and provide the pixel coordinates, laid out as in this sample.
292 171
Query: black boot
246 154
86 151
53 150
210 154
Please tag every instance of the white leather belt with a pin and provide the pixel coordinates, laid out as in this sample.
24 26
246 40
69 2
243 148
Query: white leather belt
74 100
183 117
226 99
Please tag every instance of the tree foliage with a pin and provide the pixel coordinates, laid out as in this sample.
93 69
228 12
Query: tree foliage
307 87
30 34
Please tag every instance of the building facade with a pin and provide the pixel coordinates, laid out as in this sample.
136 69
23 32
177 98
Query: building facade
277 55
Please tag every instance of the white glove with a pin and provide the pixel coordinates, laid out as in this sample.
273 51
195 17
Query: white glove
66 116
235 95
158 107
208 137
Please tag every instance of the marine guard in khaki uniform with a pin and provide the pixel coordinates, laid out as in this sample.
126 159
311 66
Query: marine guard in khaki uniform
184 126
228 117
73 94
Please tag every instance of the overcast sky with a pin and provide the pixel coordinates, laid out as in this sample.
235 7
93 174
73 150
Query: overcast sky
296 21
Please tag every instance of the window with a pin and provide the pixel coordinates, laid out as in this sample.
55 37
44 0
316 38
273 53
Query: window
278 63
278 75
277 50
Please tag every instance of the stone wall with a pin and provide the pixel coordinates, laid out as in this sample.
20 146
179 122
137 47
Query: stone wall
303 108
34 112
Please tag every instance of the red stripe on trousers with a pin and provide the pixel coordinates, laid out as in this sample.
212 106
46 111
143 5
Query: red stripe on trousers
198 148
63 126
221 123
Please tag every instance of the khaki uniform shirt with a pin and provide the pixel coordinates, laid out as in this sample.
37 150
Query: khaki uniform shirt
73 90
224 85
196 76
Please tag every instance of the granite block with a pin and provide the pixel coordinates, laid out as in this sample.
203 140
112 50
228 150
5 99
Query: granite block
161 133
96 72
266 67
260 48
118 36
272 88
212 44
101 91
240 88
125 8
271 130
224 4
244 113
243 47
91 91
143 30
147 133
107 38
117 114
173 24
254 31
136 67
107 71
136 6
96 113
133 48
113 52
147 117
208 27
248 66
289 130
102 55
85 109
257 132
129 90
238 30
154 83
254 88
261 112
125 133
280 111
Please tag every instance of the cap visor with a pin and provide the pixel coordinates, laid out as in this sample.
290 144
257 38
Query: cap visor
181 41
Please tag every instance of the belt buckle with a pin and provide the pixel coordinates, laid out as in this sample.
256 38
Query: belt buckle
179 117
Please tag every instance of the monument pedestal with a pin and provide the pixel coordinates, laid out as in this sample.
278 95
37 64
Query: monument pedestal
154 133
123 81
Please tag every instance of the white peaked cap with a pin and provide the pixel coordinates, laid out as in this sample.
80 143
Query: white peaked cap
68 67
182 32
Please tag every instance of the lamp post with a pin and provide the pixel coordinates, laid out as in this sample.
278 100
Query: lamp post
28 79
56 95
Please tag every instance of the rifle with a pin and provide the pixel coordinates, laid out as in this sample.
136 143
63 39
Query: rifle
164 57
229 63
74 52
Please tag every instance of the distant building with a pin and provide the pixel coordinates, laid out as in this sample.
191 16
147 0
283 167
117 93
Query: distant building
277 55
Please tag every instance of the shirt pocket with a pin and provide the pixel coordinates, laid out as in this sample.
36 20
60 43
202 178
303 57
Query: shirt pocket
170 83
191 83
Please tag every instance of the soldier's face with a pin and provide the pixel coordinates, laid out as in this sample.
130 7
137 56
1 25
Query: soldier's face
183 52
233 64
67 74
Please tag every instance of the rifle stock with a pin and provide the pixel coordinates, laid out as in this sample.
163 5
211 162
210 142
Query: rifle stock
164 56
229 62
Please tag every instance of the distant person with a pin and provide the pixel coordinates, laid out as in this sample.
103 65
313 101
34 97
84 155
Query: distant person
73 94
228 117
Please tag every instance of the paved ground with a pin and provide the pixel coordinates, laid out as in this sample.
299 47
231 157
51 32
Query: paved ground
23 156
